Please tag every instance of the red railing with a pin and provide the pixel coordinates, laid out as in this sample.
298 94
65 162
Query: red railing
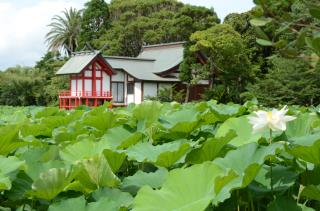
66 93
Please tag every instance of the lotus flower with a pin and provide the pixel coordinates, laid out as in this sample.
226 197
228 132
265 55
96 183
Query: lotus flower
275 120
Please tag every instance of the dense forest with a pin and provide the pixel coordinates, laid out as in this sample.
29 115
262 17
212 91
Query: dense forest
269 53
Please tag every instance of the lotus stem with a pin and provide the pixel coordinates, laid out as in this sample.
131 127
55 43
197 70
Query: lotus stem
301 187
271 173
238 200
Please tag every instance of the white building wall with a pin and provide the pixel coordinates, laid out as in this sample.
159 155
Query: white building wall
98 87
126 91
88 86
73 87
137 93
105 82
150 89
130 99
88 73
79 86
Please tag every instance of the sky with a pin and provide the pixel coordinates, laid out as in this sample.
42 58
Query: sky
23 25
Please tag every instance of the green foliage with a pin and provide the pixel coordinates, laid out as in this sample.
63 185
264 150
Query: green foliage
10 140
181 194
24 86
51 183
20 86
287 31
96 173
288 81
95 21
79 204
137 22
164 155
8 169
169 94
140 179
191 70
200 156
227 59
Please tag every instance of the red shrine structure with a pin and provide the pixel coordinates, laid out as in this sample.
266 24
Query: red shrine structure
90 80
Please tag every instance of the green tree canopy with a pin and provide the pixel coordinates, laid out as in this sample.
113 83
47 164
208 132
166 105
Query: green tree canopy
137 22
95 21
191 69
21 86
226 56
289 81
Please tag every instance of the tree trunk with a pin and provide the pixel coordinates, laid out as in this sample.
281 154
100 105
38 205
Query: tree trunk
212 75
211 81
188 86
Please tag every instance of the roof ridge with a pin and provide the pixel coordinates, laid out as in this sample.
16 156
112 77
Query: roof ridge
130 58
81 53
163 44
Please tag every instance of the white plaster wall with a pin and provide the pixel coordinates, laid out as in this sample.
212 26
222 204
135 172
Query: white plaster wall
118 76
88 73
88 86
130 99
137 92
105 82
130 78
126 98
79 86
150 89
73 87
98 87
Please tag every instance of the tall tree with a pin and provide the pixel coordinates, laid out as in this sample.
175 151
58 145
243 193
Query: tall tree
64 32
191 70
226 56
95 21
249 35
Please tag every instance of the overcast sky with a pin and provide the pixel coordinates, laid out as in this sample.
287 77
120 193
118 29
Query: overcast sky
23 25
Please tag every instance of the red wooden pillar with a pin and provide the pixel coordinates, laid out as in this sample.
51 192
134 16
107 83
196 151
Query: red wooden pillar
101 81
95 102
94 90
64 102
83 88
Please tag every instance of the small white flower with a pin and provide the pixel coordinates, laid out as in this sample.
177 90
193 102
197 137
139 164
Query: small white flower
275 120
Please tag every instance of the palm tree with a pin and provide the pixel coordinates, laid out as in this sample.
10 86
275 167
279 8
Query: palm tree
64 31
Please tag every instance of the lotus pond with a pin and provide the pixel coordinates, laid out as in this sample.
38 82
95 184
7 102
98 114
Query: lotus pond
157 157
